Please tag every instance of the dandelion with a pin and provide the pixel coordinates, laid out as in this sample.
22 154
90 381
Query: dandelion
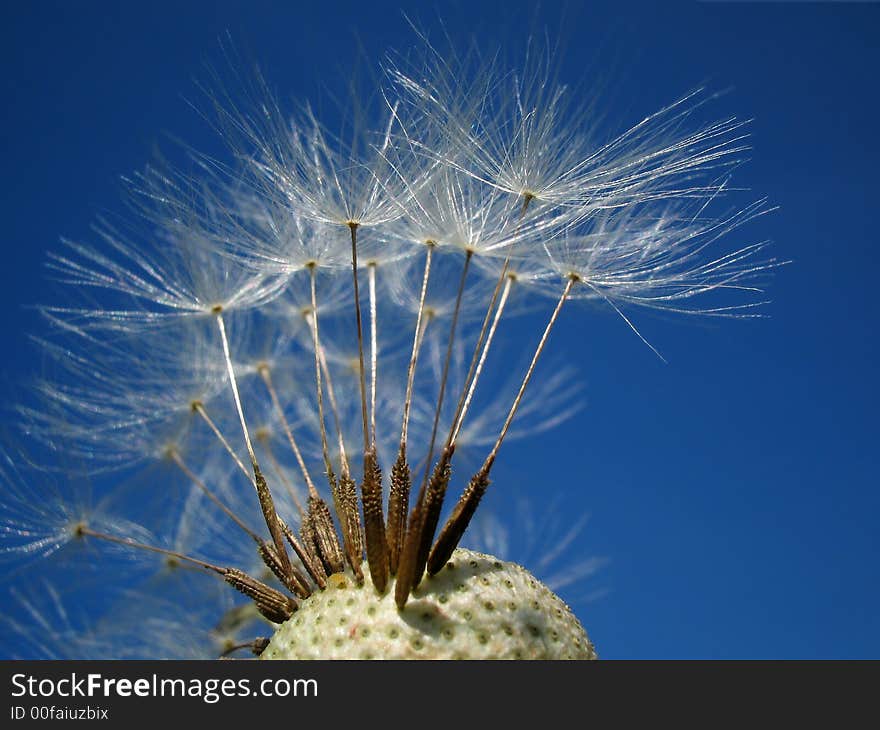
335 294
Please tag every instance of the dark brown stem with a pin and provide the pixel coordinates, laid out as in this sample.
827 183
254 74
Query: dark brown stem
310 545
398 503
420 530
272 604
305 553
470 498
458 521
374 523
325 535
352 538
423 518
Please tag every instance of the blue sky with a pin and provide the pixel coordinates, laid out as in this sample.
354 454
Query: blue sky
733 490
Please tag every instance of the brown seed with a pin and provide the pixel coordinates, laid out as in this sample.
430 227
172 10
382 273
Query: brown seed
374 523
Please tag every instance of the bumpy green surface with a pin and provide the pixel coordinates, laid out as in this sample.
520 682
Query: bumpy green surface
477 607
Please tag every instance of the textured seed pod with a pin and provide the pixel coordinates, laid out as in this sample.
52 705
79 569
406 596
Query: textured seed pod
476 607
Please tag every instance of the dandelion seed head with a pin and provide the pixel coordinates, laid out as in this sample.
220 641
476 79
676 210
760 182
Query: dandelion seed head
288 359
